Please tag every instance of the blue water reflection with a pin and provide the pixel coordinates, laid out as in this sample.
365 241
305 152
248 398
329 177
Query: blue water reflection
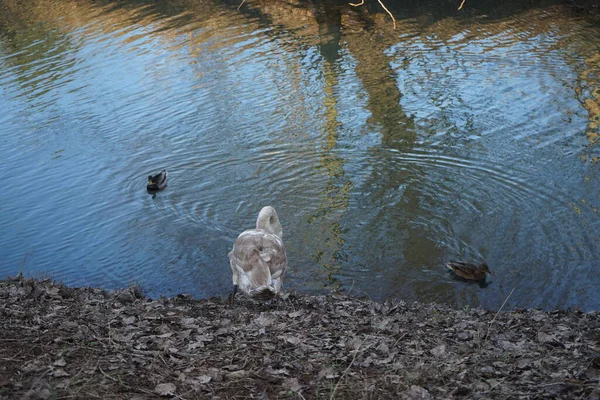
386 152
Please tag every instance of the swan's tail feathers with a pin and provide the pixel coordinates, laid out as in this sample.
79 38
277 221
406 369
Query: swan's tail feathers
263 293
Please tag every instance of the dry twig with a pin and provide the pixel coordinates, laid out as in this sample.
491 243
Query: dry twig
461 4
497 312
346 371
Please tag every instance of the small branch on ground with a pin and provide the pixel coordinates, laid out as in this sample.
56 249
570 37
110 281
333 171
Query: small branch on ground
497 312
241 4
346 370
461 4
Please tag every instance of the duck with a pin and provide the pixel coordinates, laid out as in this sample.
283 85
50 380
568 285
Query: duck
258 259
469 271
158 181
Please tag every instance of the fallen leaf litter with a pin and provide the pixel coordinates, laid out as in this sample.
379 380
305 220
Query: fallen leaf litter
61 342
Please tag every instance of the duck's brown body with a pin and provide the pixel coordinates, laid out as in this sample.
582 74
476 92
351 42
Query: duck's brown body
469 271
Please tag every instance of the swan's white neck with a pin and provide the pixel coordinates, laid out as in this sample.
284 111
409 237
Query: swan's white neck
269 221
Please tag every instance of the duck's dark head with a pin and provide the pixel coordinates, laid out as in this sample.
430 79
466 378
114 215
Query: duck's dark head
151 186
484 267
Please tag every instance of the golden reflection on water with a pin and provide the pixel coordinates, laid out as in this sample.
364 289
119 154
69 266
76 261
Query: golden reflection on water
367 38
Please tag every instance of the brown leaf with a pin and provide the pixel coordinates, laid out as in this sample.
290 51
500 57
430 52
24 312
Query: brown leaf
281 371
237 374
417 392
292 384
165 389
292 340
439 350
204 379
353 344
195 345
328 373
263 320
232 367
187 321
383 348
60 373
543 337
60 362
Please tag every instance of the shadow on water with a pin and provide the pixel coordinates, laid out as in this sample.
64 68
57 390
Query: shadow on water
386 152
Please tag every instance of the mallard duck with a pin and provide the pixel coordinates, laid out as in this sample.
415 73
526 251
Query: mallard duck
158 181
469 271
258 260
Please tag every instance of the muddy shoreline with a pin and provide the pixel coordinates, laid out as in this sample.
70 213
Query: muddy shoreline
59 342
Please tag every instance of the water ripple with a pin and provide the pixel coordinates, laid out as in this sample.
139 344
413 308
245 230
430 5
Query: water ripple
385 154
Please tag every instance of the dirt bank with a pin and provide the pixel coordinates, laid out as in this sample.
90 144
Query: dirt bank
59 342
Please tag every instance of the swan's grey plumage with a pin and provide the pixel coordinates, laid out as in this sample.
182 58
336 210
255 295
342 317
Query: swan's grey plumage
258 259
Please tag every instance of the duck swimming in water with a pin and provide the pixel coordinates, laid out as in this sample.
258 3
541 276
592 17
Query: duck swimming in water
469 271
158 181
258 259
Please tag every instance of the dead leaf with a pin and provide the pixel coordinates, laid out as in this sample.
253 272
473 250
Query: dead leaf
203 379
292 384
523 363
417 392
237 374
232 367
187 321
328 373
195 345
439 350
60 362
281 371
543 337
383 324
60 373
165 389
292 340
383 348
353 344
263 320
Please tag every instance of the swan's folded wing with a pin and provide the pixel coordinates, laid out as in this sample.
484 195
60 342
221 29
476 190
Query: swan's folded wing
278 258
243 247
258 257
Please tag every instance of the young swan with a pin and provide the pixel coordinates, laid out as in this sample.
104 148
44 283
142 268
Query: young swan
258 260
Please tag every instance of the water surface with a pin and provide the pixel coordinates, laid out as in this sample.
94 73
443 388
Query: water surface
459 135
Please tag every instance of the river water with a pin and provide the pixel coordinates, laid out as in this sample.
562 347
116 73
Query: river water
460 135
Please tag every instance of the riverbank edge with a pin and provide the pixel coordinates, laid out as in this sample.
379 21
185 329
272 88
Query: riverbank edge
61 342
